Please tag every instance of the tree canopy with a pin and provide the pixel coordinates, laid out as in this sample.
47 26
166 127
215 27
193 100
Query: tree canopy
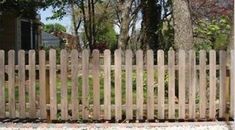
54 28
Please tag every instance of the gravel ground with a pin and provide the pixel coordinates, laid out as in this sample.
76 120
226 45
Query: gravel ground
135 126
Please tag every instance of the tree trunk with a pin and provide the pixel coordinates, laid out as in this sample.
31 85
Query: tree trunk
151 19
75 28
183 31
123 38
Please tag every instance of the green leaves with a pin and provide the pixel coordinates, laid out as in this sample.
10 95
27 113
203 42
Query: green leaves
54 28
215 33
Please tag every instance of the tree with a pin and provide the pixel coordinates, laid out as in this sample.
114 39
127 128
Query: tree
22 7
183 30
54 28
212 21
126 12
151 12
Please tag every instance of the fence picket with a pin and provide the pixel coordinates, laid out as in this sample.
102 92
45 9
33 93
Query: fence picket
42 83
21 73
32 84
64 86
96 84
202 80
171 87
223 86
232 85
212 83
2 85
150 85
85 85
74 98
129 98
118 84
161 84
182 84
186 68
139 84
107 85
53 92
11 83
192 84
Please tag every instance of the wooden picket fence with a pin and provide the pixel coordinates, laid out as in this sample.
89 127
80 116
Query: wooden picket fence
130 86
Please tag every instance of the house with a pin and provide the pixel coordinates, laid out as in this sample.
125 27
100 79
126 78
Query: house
19 32
71 41
49 40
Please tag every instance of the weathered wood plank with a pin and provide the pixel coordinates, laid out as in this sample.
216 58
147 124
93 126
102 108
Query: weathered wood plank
85 84
107 85
74 98
64 86
171 87
202 80
2 84
150 85
11 83
223 86
129 97
139 84
232 85
96 84
192 84
212 83
118 84
52 75
21 74
32 84
182 84
42 83
161 84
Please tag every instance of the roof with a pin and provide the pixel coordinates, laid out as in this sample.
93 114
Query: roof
49 37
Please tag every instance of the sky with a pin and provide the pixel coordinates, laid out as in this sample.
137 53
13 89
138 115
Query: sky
65 21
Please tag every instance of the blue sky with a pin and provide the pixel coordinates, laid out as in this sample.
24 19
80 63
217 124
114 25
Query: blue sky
66 21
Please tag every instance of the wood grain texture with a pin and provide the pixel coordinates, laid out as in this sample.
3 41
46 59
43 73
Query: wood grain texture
212 84
202 84
192 84
107 85
118 84
64 86
222 83
32 84
2 84
85 84
150 85
171 87
129 97
96 84
161 84
52 75
22 87
11 83
182 84
232 85
74 98
139 85
42 83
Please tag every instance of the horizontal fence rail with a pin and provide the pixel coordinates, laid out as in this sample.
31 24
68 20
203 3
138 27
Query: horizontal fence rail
124 85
